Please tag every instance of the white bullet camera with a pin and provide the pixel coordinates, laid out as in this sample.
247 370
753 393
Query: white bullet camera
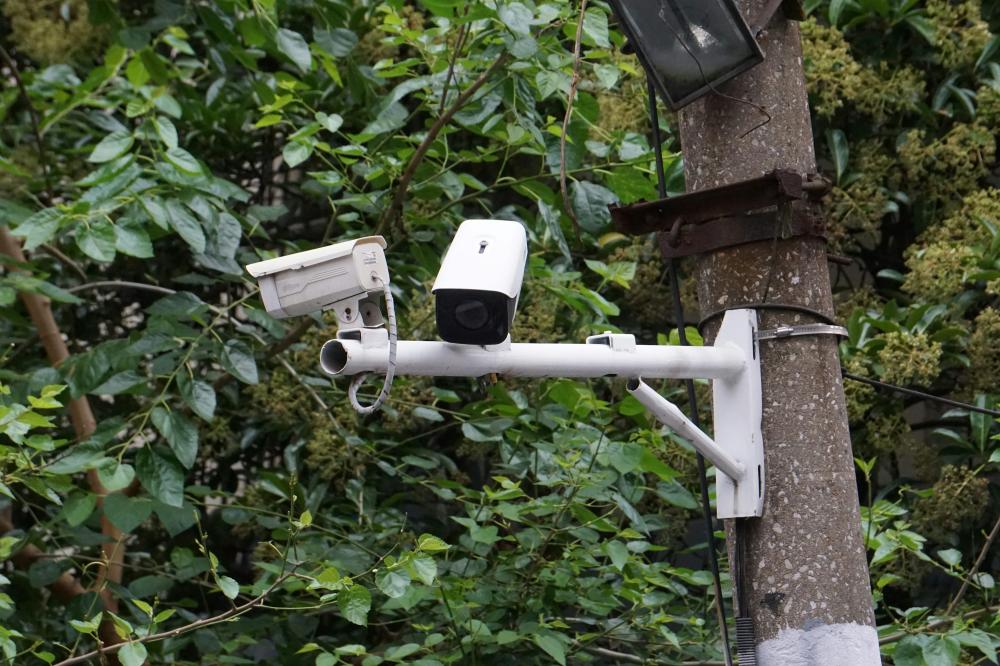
477 288
347 277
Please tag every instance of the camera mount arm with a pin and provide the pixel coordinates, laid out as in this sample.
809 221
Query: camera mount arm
733 363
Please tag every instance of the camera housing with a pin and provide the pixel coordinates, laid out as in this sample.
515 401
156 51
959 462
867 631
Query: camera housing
347 277
478 285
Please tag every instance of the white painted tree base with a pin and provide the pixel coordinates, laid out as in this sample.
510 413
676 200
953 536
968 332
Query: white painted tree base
822 645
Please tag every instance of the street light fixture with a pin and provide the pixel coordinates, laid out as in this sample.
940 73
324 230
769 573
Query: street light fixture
689 46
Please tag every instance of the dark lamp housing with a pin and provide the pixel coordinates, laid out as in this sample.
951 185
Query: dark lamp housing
688 46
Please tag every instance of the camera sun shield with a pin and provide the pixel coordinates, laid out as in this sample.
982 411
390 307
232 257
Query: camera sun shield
477 288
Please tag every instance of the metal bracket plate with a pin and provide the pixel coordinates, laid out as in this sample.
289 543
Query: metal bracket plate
737 410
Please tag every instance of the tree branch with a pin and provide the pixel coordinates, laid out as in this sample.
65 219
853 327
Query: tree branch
570 100
235 611
121 284
84 424
396 206
937 624
990 540
35 127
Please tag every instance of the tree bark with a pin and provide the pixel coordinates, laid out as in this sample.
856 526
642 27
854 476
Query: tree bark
806 574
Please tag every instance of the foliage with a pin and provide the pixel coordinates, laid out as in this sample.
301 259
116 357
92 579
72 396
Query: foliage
156 148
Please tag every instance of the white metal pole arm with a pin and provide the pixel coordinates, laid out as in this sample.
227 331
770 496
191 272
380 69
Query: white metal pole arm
357 351
733 365
671 416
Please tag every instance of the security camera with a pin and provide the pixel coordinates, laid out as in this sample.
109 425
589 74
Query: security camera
347 277
477 288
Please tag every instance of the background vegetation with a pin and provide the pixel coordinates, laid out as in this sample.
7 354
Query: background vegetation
225 505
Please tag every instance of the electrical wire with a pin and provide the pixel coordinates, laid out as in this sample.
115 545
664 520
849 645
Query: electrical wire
786 307
390 373
706 504
921 394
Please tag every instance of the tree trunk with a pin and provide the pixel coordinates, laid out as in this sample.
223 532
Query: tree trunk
806 575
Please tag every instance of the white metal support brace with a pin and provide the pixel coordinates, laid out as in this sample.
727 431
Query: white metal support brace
733 364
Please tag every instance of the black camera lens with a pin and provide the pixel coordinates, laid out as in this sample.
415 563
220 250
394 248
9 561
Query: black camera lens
472 315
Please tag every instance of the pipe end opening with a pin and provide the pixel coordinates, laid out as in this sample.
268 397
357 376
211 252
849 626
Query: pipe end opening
632 383
333 357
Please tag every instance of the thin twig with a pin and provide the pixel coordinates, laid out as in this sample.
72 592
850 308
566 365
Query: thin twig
570 100
396 206
61 256
937 624
235 611
121 284
990 540
35 127
463 32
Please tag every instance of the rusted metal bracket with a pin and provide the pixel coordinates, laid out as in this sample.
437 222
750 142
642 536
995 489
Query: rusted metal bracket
778 205
792 9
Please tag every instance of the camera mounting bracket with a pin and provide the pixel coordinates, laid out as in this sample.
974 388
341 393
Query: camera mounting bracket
733 363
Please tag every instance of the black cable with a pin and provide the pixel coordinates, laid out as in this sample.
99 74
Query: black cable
706 504
921 394
786 307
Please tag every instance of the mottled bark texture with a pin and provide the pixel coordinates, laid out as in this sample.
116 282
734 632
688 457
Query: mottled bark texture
806 565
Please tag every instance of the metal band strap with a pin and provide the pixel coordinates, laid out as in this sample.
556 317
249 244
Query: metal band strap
803 329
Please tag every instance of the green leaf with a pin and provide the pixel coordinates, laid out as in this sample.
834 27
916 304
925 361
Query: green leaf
429 543
39 228
166 131
618 553
354 604
87 627
425 568
338 42
595 27
163 477
132 239
180 433
199 396
119 383
182 305
114 475
184 161
268 120
590 201
186 226
175 520
127 513
393 584
401 652
951 556
293 45
296 152
840 150
390 119
238 361
229 587
941 651
112 146
78 508
979 639
331 122
516 17
132 654
552 647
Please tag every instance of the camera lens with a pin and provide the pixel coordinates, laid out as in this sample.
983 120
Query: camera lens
472 314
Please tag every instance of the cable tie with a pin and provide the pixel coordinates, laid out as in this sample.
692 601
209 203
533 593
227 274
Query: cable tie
787 331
